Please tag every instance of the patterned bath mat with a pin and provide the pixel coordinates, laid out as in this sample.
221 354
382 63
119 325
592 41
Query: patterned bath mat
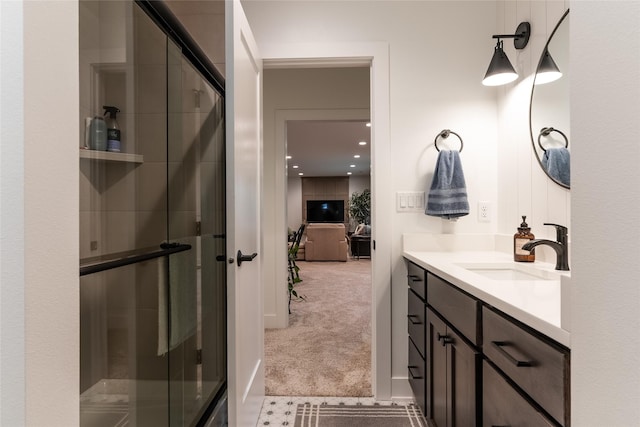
308 415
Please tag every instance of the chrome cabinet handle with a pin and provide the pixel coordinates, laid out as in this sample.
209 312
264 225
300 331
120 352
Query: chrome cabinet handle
499 345
241 258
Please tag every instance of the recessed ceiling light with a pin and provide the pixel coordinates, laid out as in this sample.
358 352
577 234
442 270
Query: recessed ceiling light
352 166
362 143
288 157
357 156
296 166
349 173
300 173
368 125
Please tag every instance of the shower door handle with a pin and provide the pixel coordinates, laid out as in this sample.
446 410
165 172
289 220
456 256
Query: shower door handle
242 258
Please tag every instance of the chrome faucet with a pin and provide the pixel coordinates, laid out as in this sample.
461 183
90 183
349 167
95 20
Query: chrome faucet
560 246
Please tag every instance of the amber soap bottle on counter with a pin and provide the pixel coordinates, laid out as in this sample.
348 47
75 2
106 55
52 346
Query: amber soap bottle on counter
523 236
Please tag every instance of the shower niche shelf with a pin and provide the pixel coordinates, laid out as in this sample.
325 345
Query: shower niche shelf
108 156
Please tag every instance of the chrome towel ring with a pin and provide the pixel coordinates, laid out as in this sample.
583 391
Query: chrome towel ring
546 131
444 135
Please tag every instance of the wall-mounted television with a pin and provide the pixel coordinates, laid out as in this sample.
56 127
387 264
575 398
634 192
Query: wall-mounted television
325 211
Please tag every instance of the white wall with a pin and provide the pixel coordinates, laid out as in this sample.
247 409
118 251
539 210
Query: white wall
430 88
39 303
12 310
523 187
605 378
294 202
359 183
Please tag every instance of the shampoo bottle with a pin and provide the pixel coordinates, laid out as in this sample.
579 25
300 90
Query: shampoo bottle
113 130
98 134
520 238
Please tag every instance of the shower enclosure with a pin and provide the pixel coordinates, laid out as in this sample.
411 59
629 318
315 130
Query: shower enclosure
152 223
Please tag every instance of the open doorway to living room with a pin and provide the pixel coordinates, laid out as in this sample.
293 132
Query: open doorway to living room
326 349
321 118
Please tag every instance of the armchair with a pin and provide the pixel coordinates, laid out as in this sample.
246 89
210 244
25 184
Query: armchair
326 242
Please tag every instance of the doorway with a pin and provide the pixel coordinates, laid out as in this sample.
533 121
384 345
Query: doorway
374 55
345 94
326 348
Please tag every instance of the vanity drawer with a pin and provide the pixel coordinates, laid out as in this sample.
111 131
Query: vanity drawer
539 368
416 277
417 374
504 406
416 319
461 310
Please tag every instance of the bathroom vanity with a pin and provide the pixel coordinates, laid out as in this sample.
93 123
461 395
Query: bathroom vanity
486 340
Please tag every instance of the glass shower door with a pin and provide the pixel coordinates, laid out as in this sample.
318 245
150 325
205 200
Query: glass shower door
197 368
152 223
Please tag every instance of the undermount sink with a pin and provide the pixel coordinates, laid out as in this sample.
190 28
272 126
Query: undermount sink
511 271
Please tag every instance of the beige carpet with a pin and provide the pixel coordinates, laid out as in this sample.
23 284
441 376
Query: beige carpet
326 350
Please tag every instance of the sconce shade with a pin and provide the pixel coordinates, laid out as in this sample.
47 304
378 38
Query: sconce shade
548 70
500 70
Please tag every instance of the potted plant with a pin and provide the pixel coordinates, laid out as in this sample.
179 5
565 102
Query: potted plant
294 276
360 206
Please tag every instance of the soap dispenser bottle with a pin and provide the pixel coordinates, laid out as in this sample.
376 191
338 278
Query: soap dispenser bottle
113 130
523 236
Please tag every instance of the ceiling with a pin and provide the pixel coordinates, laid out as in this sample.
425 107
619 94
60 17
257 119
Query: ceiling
327 148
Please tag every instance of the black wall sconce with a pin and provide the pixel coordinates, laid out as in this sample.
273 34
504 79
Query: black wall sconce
548 70
500 70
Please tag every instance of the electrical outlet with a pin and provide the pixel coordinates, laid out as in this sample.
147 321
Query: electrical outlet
484 212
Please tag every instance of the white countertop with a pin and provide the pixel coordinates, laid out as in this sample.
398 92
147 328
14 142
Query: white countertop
536 303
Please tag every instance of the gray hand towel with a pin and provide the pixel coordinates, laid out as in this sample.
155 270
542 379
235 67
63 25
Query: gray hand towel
557 162
448 194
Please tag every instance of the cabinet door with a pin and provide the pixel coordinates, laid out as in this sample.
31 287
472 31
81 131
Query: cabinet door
437 396
416 277
452 377
463 366
503 406
416 310
417 375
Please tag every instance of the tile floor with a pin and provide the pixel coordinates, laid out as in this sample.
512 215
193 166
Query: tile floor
281 410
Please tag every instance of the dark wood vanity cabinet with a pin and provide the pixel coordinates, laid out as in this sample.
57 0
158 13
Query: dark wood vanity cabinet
472 365
452 376
416 322
504 406
537 367
443 366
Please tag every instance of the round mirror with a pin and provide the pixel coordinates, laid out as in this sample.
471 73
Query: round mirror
549 108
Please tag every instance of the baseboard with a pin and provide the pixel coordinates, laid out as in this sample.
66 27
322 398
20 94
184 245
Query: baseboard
400 389
270 320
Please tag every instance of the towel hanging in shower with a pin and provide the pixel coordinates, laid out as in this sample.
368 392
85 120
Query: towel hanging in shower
177 300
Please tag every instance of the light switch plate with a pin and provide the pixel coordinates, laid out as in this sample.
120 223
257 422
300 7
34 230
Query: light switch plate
410 201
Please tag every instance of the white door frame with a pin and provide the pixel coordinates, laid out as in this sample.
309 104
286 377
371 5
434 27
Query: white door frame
375 56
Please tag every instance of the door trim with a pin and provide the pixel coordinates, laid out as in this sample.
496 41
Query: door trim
375 56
